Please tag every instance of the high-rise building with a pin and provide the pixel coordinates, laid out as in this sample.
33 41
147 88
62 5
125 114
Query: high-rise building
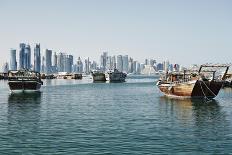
134 67
68 63
54 60
43 65
125 63
27 57
166 66
93 65
146 62
5 67
13 63
37 58
21 55
109 64
130 66
160 67
103 60
48 61
87 66
60 62
79 66
138 68
114 63
119 63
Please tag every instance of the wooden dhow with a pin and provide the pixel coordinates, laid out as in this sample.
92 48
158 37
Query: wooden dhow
24 80
204 83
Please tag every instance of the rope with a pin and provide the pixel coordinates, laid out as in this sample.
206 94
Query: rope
208 100
209 89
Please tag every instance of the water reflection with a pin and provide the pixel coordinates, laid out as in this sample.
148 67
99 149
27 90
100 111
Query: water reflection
23 107
207 118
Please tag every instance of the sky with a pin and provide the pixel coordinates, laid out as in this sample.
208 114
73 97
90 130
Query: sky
181 31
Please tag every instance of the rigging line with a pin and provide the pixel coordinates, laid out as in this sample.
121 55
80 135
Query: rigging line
204 93
209 89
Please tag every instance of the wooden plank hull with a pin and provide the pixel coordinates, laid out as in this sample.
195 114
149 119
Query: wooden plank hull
99 77
197 89
24 85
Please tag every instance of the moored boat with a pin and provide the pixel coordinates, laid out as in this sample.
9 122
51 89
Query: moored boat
98 76
203 83
116 76
24 80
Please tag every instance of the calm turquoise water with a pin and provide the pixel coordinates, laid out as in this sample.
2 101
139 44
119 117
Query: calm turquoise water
81 117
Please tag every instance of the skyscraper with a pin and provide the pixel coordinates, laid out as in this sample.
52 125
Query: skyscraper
13 63
48 61
119 63
27 57
103 60
114 63
60 62
54 60
125 63
37 58
5 67
21 55
87 66
79 66
130 66
68 63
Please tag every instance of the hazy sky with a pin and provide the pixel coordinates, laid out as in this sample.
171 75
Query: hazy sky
182 31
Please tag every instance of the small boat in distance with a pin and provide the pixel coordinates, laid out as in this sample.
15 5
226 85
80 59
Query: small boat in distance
115 76
204 83
24 80
98 76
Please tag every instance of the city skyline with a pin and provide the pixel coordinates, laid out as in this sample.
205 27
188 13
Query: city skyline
52 62
192 32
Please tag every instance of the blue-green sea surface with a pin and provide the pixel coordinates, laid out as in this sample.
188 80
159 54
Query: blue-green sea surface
81 117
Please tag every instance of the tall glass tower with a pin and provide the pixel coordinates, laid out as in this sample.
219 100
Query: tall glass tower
27 57
21 55
48 61
37 58
13 63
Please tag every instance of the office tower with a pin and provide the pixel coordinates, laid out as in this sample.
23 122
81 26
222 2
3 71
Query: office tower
5 67
134 67
125 63
48 61
130 65
160 67
93 65
119 63
166 66
103 60
68 63
13 63
152 62
54 59
27 57
114 63
138 69
142 66
21 55
108 62
146 62
79 66
60 62
37 58
87 63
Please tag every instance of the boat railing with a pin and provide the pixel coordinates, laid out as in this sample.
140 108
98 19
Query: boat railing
22 78
181 81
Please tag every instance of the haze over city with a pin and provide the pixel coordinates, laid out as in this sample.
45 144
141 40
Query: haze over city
184 32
